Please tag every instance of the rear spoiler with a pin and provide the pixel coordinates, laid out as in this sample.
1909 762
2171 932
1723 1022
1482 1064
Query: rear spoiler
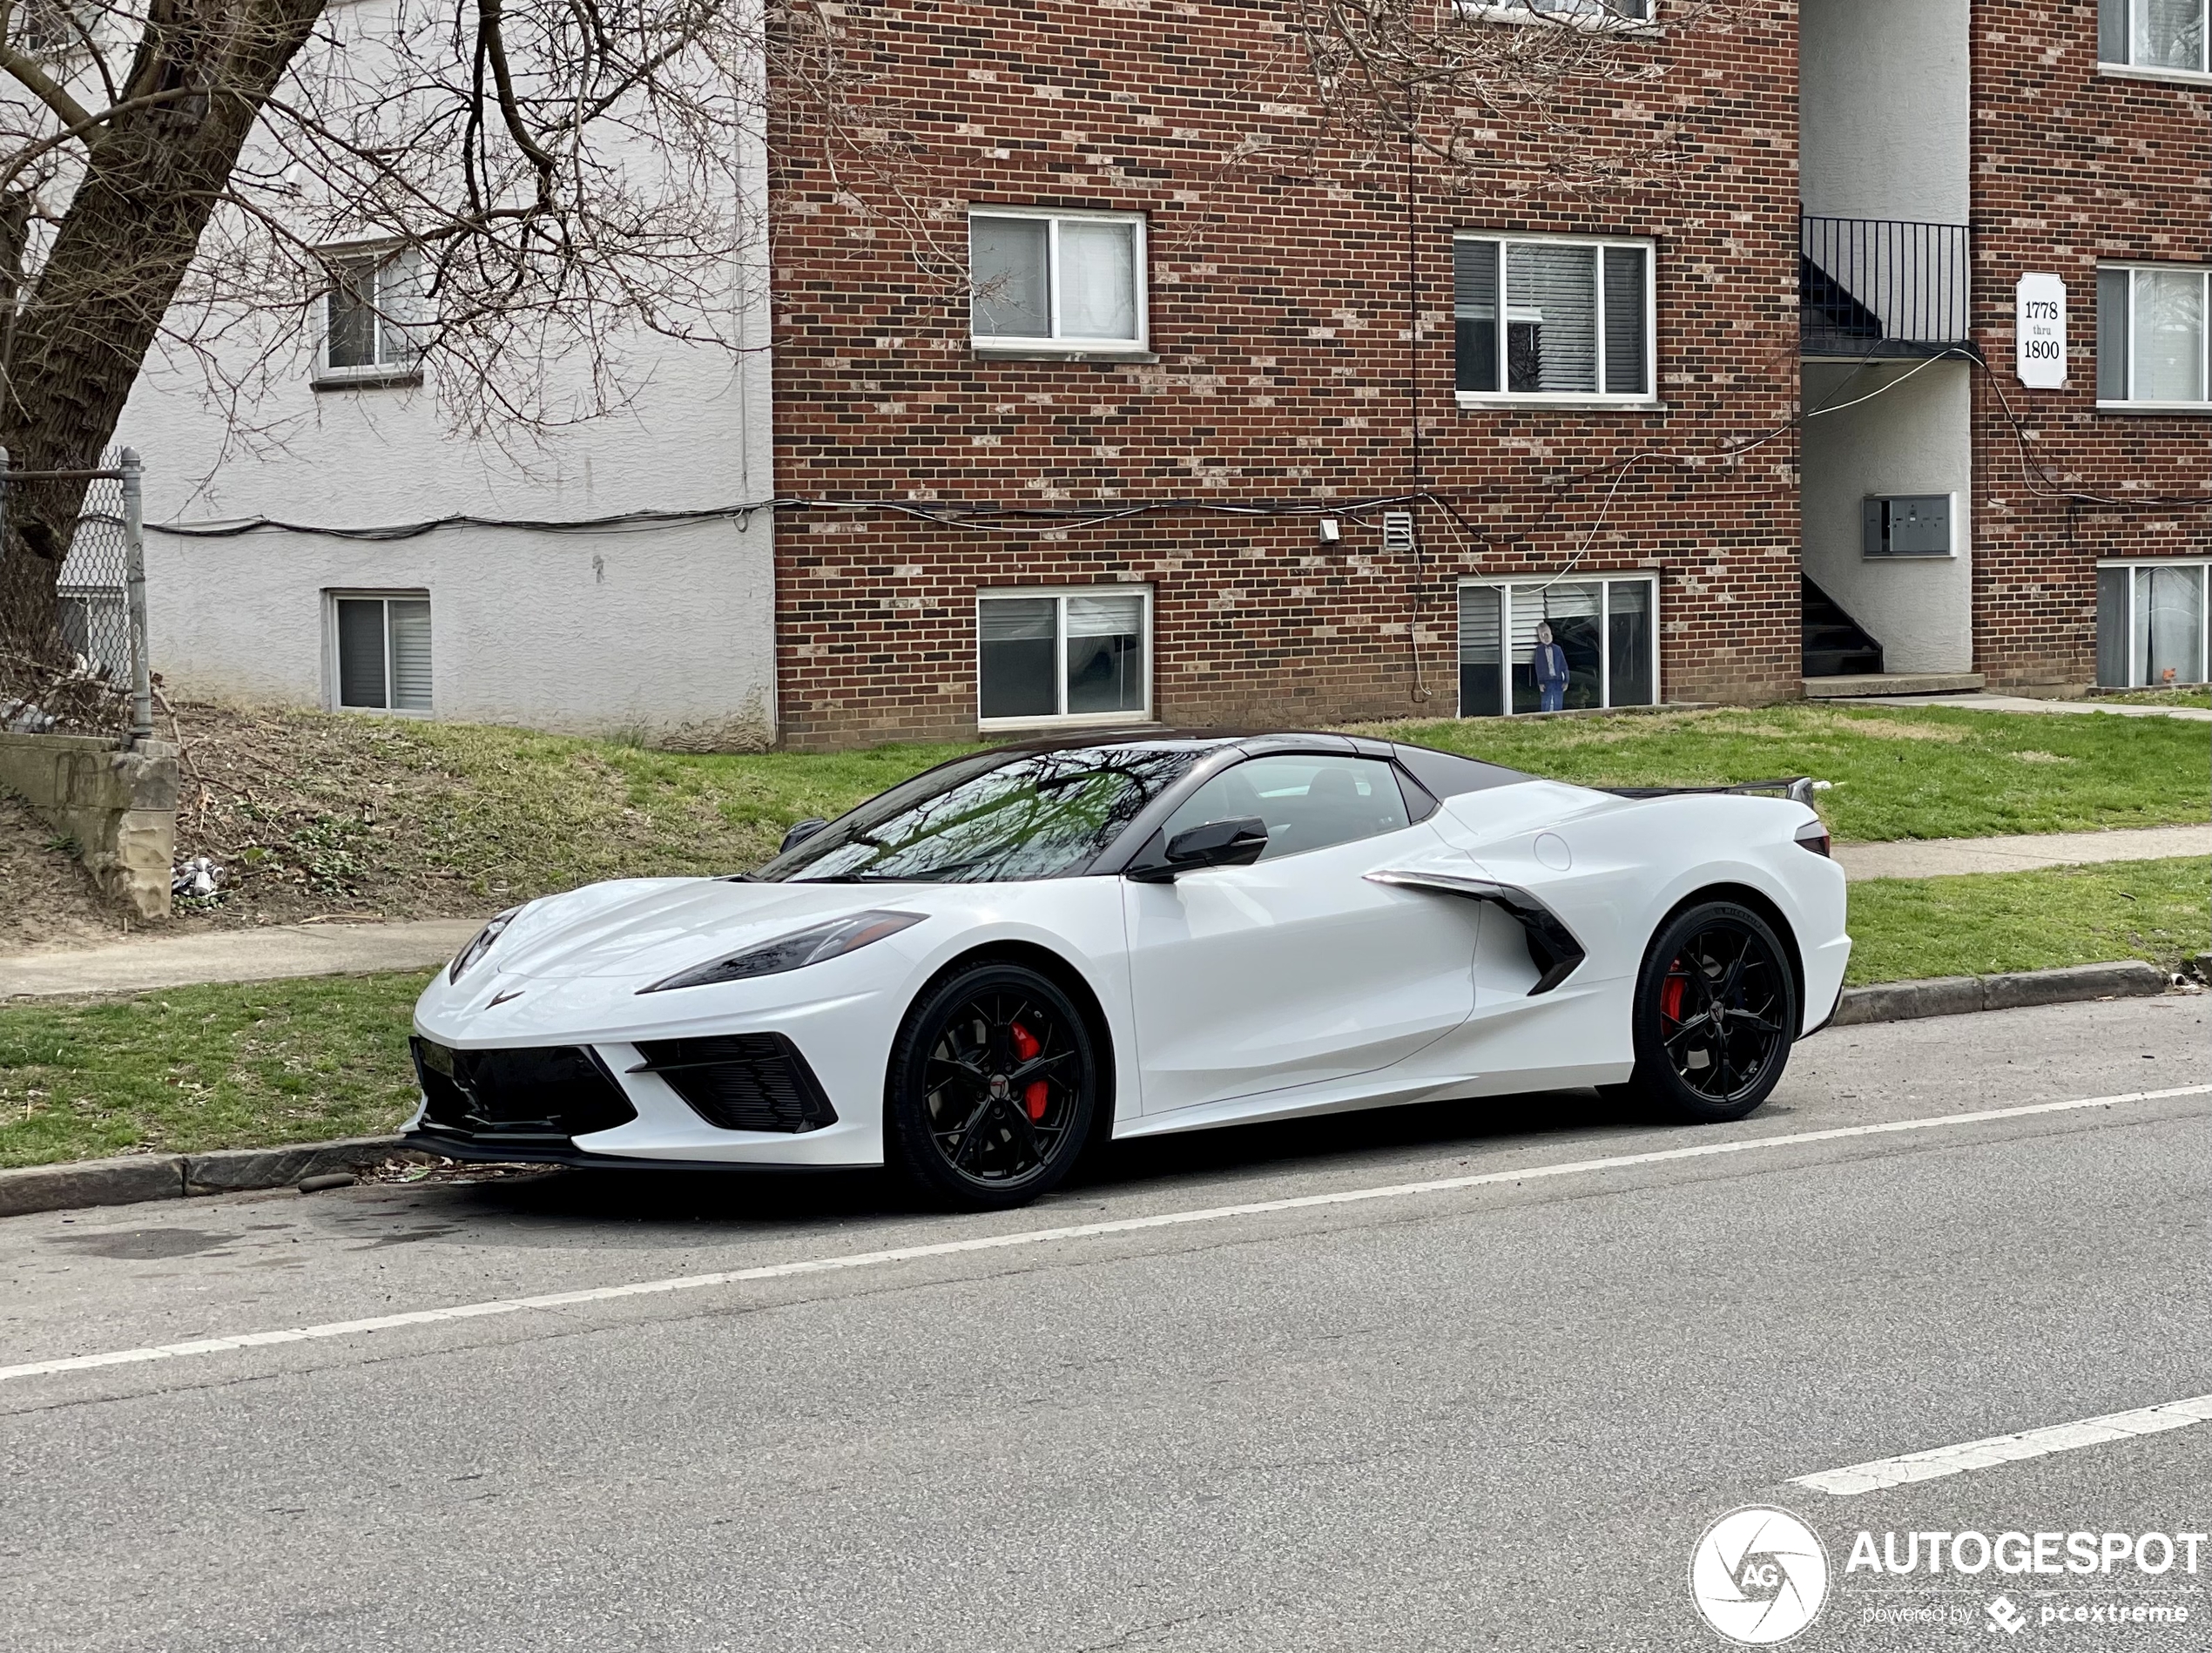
1798 789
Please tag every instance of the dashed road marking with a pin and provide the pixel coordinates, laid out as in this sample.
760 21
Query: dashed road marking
1938 1461
1071 1232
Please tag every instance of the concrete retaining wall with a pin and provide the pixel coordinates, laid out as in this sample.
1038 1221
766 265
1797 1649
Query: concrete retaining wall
120 806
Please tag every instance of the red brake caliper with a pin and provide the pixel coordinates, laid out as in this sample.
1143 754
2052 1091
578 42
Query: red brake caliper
1025 1047
1670 997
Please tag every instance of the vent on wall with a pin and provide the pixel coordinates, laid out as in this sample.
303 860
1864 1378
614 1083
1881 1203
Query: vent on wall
1909 525
1397 531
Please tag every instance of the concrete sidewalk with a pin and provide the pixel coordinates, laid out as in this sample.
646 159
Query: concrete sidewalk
1942 857
283 950
266 955
2022 703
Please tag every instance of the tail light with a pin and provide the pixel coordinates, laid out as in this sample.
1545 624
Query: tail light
1813 835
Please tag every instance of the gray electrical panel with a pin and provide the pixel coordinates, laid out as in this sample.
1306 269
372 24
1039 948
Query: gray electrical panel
1909 525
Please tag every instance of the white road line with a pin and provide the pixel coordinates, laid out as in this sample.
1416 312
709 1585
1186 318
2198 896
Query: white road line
1938 1462
1073 1231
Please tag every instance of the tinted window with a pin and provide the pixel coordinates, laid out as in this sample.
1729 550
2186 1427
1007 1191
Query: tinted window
1307 802
990 817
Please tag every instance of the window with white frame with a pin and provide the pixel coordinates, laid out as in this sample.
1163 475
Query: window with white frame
381 650
1607 628
2170 37
1083 655
373 316
1056 280
1587 13
1552 318
2152 335
2151 622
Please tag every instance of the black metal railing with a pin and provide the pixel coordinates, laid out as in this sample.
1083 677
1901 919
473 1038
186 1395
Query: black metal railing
1883 287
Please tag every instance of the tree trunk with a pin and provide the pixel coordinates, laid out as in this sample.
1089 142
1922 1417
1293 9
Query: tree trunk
153 175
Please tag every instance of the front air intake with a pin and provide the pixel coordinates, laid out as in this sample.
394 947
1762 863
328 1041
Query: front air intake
538 1095
742 1080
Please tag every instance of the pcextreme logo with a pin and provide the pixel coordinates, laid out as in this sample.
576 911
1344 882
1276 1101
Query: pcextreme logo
1758 1576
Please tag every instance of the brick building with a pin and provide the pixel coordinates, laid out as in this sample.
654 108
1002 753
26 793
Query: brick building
1102 382
1856 188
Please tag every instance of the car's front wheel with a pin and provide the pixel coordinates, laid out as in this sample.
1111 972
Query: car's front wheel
992 1088
1715 1013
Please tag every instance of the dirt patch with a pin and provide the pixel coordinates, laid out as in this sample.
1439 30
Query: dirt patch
44 896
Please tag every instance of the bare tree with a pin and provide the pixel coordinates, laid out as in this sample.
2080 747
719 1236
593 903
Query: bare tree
512 195
518 191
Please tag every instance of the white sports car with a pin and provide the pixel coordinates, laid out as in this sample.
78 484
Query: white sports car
977 974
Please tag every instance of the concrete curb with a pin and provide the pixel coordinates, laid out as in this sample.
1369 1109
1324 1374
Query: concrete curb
1958 995
143 1176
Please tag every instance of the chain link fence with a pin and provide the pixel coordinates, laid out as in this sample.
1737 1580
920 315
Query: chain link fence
72 602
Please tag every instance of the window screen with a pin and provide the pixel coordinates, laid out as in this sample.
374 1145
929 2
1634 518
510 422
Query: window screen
375 315
1081 654
2153 323
2153 34
2112 588
1551 318
1041 278
1607 628
383 653
2170 625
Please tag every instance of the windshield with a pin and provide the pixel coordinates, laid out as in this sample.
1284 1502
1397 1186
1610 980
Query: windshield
990 819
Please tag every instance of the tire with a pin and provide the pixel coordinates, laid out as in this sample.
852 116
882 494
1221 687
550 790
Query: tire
992 1085
1715 959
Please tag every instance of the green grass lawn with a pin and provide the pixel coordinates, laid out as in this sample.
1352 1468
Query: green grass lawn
237 1066
191 1069
1906 929
1933 771
316 813
2200 696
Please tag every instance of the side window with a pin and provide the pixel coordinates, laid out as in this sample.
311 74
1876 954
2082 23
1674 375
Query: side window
1308 802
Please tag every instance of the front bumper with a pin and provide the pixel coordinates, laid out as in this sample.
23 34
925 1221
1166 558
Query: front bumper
480 1151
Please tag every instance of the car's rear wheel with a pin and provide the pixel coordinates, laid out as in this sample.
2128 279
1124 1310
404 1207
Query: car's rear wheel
992 1088
1715 1013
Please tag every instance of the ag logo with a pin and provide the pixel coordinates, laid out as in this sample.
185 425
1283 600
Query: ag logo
1758 1576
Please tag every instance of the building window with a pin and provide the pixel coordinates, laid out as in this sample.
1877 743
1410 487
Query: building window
1607 630
94 622
2151 336
1592 14
383 649
1056 280
2151 624
1552 319
2156 36
374 317
1046 657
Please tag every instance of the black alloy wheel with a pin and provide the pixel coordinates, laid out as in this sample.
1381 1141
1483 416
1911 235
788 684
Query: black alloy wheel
1716 1012
993 1086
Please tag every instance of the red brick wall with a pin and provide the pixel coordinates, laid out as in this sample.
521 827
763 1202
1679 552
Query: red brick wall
1280 314
2070 166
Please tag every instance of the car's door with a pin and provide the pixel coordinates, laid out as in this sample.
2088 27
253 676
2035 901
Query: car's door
1296 970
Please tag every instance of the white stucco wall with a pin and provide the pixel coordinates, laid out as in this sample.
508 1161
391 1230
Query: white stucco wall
1883 106
1916 438
665 631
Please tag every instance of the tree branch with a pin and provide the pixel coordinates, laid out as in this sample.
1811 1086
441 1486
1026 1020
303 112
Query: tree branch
36 81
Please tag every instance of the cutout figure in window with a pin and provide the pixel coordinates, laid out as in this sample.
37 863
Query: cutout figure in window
1548 665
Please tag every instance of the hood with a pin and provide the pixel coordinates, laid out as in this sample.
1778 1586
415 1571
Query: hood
657 926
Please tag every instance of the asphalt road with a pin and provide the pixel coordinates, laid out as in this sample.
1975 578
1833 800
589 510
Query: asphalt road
1495 1414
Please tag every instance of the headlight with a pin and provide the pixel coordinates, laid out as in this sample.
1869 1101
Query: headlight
467 956
793 951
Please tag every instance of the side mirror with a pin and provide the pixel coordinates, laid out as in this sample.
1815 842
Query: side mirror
1218 843
801 831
